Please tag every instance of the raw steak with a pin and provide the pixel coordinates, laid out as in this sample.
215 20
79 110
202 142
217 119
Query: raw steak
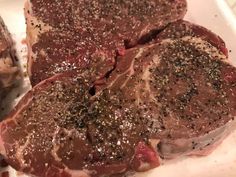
184 84
85 35
58 129
173 97
8 69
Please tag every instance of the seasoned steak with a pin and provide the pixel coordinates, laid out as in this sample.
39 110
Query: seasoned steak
173 97
184 83
86 35
59 129
8 68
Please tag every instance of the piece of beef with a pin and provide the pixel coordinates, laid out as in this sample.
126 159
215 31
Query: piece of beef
8 69
59 129
85 35
184 84
173 97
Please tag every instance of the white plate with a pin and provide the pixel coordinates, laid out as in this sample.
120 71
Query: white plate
213 14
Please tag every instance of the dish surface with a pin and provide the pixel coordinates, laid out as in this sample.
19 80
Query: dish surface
213 14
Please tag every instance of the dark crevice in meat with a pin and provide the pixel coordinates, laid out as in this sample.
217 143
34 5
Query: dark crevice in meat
144 39
150 36
127 44
107 75
92 91
3 163
101 81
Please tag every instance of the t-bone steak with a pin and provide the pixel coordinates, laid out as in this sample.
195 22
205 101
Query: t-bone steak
86 35
8 69
175 96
